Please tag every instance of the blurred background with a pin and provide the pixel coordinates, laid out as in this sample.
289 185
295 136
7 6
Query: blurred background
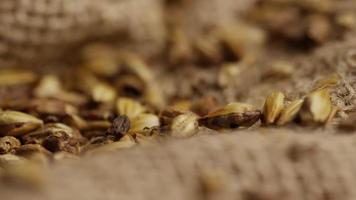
203 50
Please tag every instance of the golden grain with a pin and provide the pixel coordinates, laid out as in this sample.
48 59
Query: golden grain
273 107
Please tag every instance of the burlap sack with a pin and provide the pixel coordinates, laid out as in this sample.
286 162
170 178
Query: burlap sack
42 31
276 164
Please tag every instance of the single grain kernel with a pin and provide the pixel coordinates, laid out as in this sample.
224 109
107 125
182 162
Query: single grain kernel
184 125
8 143
129 107
144 121
235 120
290 112
316 108
13 123
273 107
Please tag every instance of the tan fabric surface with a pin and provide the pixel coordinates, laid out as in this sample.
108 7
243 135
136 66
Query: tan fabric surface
241 165
40 31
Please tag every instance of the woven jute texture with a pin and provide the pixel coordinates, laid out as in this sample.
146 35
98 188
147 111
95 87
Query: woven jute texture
277 164
34 32
41 31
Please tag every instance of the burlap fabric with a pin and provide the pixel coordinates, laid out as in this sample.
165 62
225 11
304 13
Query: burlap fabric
276 164
42 31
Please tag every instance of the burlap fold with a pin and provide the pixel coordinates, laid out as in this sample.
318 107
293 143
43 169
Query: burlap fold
279 164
